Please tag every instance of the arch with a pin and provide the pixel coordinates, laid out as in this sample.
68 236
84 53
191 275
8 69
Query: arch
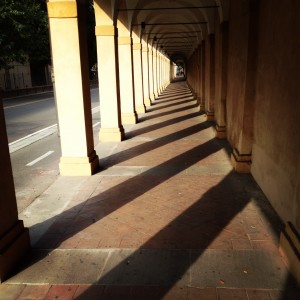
143 13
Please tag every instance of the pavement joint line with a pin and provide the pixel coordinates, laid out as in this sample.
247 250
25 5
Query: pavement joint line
39 158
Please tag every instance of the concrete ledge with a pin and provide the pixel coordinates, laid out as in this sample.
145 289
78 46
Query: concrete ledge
79 166
241 162
290 249
13 245
111 134
27 91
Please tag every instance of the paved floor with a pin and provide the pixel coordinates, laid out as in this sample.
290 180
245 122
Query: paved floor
165 218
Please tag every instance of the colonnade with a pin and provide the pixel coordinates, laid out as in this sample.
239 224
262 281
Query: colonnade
207 71
131 75
238 79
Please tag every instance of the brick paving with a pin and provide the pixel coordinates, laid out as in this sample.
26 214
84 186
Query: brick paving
168 187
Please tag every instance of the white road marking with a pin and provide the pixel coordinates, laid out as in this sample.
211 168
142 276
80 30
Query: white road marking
39 158
95 109
38 135
27 103
96 124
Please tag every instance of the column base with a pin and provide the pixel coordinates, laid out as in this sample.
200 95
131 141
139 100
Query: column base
289 247
221 132
201 107
140 109
210 116
111 134
152 98
79 166
129 118
13 245
147 101
241 162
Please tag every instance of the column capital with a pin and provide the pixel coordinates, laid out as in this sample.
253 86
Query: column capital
62 9
106 30
125 40
137 46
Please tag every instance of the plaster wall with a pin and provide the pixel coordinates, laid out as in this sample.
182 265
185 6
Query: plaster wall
276 158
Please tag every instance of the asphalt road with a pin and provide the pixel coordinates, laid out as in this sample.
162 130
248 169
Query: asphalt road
28 114
35 167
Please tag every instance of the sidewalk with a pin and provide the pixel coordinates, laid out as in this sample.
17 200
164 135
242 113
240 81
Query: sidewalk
165 218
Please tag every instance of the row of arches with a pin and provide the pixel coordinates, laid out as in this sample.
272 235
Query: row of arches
237 65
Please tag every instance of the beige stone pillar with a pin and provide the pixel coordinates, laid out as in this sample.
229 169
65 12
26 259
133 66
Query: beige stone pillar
221 89
159 85
14 238
155 70
242 149
163 79
198 75
164 72
167 76
69 54
210 83
203 77
128 113
145 65
151 76
110 112
138 78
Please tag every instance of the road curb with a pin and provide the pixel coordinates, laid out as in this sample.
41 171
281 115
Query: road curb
31 138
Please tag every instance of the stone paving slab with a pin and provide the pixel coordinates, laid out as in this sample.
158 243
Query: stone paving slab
165 218
146 267
101 292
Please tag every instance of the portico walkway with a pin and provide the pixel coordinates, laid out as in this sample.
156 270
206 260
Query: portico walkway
166 218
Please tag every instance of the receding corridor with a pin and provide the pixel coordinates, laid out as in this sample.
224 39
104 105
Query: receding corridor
166 217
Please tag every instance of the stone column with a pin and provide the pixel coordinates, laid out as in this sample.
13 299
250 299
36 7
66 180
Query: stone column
138 78
151 86
145 64
159 89
198 63
221 89
202 103
70 61
210 83
155 89
128 113
110 111
242 150
14 238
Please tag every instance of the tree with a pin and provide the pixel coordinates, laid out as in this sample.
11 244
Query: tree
23 32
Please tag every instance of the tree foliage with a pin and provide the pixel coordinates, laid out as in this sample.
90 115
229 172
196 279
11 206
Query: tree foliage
23 32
